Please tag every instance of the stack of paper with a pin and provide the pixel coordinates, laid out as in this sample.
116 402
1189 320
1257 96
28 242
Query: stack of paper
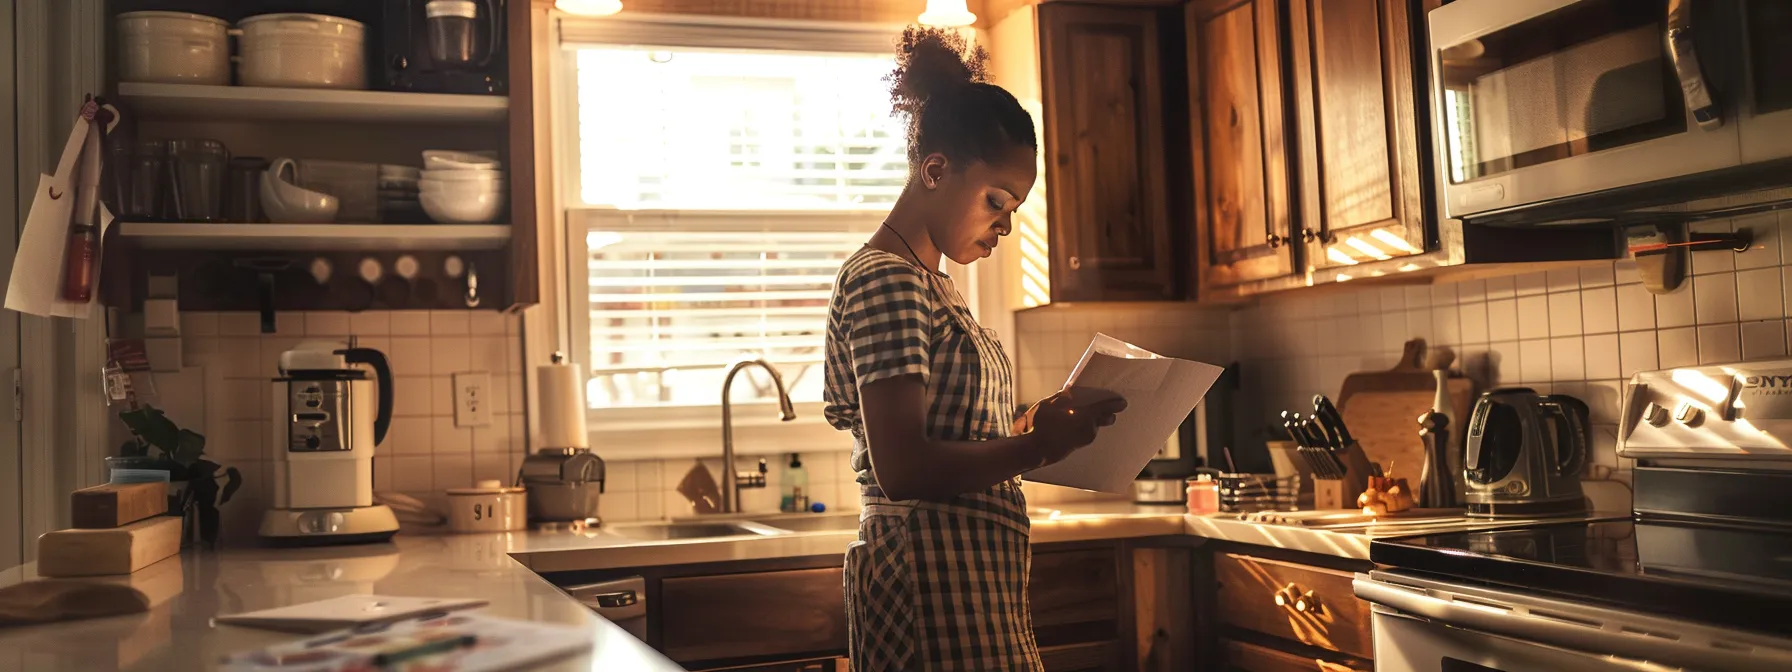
1160 392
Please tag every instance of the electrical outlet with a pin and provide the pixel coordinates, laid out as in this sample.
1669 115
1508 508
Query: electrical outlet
473 399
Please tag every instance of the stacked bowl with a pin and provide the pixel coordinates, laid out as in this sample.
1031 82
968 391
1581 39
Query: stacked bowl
461 187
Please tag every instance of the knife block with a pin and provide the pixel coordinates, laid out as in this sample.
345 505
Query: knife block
1341 493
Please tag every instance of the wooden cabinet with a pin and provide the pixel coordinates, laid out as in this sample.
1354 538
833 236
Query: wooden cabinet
1355 104
757 614
1089 657
1311 605
1247 657
1072 587
814 665
1237 118
1112 232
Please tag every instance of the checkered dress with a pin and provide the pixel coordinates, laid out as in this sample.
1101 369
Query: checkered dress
930 585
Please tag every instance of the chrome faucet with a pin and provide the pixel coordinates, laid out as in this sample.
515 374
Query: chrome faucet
730 479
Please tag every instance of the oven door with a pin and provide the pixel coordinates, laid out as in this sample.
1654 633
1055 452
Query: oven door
1541 99
1408 644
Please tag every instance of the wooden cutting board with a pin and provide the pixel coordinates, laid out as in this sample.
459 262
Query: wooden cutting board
1382 410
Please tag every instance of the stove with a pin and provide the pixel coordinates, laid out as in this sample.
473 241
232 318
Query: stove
1699 577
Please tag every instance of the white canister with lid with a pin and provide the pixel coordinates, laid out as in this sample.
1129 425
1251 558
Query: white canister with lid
488 506
302 51
172 48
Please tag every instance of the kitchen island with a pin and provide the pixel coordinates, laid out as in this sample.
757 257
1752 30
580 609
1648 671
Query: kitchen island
186 592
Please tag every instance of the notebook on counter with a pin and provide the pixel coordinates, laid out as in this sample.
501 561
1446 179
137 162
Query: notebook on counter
345 611
458 642
1160 392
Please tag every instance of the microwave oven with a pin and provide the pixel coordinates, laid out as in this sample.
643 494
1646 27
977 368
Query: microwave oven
1537 101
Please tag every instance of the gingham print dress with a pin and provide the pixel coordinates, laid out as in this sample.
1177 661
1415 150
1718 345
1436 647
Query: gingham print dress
930 585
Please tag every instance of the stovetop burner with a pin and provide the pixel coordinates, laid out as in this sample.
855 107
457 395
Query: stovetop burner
1709 573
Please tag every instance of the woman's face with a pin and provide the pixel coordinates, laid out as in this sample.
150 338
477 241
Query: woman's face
975 204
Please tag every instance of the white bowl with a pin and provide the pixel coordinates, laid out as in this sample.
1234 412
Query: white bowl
462 207
429 185
448 159
462 175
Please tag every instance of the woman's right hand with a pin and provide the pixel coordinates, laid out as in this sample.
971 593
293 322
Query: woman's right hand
1069 419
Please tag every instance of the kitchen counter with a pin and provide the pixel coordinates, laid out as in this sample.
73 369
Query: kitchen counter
186 592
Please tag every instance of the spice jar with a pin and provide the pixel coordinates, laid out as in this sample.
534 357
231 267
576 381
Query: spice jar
1203 495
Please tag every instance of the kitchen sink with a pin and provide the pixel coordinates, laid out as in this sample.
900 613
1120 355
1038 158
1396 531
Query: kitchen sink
670 531
813 523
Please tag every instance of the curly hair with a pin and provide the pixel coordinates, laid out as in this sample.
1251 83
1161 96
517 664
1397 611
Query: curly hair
941 86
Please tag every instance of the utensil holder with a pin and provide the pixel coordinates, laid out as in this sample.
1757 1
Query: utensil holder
1342 493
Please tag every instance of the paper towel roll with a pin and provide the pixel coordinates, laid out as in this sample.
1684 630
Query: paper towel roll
562 404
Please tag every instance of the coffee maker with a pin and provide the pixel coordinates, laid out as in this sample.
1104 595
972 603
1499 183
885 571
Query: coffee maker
327 417
444 46
1525 454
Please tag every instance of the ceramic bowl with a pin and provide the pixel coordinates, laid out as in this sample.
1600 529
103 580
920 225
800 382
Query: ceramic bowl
447 159
462 206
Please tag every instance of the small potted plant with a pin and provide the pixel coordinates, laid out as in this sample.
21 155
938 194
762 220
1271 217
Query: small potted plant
194 490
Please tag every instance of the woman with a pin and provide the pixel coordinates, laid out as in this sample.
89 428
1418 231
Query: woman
938 577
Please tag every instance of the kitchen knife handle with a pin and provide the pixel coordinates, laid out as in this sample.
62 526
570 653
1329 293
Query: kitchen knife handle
1328 412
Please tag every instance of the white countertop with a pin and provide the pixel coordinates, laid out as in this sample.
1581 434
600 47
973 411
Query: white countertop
186 592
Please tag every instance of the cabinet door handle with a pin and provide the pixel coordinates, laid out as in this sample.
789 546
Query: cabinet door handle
1075 263
1275 241
1307 235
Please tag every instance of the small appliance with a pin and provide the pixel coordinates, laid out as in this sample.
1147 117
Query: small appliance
563 485
1682 582
1525 453
327 418
1561 102
444 46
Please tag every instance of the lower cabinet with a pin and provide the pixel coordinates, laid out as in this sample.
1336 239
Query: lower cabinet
1097 606
1247 657
814 665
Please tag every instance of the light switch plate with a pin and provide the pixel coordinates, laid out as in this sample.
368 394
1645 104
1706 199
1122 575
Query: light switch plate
473 399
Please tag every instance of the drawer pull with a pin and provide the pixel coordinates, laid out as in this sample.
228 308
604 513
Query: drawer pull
1308 603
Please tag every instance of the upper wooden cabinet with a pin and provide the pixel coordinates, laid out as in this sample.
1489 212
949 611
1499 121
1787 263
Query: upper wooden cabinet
1357 129
1107 192
1242 212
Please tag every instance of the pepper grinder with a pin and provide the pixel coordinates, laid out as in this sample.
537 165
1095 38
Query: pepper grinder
1437 489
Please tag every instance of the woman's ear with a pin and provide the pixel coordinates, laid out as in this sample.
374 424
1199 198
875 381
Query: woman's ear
933 169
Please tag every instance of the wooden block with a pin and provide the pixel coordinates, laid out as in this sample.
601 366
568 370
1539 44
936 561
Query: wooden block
119 550
117 504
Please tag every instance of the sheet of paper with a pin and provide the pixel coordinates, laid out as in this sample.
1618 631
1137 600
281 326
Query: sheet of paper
345 611
1160 392
448 643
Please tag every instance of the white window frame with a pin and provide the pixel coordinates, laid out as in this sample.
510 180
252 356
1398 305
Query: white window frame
625 433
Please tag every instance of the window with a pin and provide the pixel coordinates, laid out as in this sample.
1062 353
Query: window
716 192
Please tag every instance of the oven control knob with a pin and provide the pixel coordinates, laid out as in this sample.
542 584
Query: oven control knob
1655 415
1689 415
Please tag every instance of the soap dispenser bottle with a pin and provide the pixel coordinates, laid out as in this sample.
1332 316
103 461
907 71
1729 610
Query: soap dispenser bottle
793 486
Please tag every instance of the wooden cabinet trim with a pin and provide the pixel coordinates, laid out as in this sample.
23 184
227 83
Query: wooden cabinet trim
1070 587
1266 160
1248 586
1405 217
1089 657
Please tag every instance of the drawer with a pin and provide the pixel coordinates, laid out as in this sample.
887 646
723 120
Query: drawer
1318 607
1089 657
1248 657
734 616
1069 587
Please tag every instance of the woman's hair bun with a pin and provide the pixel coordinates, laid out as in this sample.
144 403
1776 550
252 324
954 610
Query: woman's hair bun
930 61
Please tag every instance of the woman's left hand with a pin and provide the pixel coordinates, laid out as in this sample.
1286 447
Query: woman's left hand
1023 421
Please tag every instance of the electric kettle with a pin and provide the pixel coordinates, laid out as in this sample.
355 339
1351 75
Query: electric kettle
327 416
1525 453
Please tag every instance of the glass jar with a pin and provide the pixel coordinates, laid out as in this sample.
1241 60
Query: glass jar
1203 495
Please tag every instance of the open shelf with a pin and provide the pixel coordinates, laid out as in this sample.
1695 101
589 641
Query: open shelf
238 103
316 237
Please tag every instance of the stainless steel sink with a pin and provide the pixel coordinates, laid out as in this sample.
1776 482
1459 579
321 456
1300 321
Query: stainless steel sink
670 531
813 523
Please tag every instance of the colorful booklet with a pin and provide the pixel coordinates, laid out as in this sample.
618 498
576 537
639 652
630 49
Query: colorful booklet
440 642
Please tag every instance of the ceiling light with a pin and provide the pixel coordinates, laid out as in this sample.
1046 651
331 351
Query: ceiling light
589 7
945 14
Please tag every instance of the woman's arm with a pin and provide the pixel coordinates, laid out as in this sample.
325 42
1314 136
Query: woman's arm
908 465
